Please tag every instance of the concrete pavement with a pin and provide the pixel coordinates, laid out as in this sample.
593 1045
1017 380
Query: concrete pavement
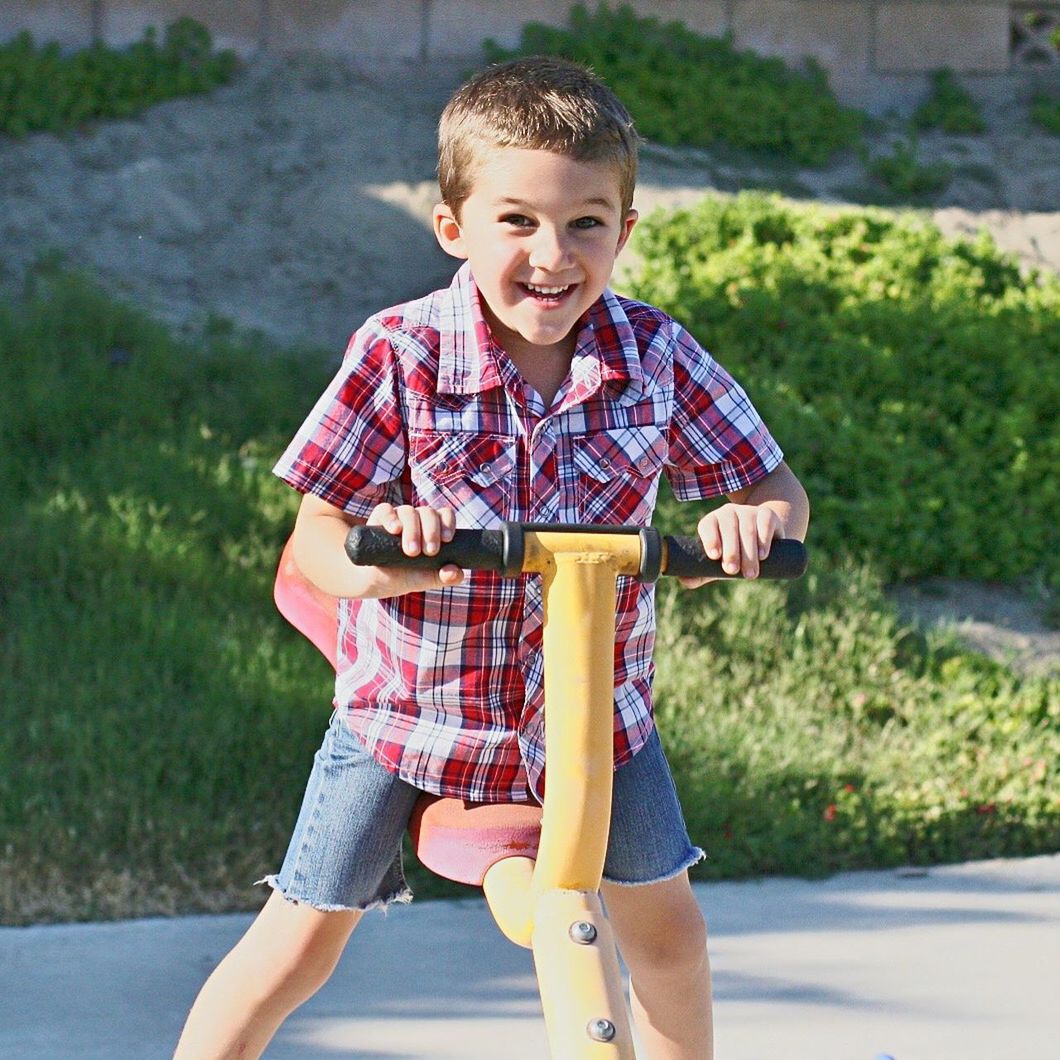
962 963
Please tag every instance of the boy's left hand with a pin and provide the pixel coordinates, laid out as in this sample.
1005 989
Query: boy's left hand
740 535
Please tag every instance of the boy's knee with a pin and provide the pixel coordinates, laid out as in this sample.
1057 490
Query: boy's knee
313 961
303 946
677 945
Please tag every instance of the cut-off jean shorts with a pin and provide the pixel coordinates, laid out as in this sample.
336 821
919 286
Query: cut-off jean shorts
345 852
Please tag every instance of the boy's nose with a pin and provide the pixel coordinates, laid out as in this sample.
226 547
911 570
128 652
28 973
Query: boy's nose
549 250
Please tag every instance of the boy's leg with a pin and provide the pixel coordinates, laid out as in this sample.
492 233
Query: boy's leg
344 856
286 955
663 939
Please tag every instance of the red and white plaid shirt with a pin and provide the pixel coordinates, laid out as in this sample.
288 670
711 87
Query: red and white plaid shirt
445 687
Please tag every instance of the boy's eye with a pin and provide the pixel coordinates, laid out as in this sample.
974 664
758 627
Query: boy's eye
516 220
586 222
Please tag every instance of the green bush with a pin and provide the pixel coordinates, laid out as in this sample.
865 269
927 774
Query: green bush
949 107
1045 113
903 174
684 89
914 379
43 89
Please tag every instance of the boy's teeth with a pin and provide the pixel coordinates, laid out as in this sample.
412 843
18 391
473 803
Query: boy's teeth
546 290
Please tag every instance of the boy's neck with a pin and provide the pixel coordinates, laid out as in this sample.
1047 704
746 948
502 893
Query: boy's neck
545 369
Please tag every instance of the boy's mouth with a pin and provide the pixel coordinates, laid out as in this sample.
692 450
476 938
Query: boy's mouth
548 295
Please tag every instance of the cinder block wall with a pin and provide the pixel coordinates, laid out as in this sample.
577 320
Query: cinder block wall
852 39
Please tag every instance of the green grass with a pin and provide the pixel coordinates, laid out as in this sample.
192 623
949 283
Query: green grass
157 717
809 733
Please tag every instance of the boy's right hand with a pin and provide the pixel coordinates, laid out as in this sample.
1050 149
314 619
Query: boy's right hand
422 530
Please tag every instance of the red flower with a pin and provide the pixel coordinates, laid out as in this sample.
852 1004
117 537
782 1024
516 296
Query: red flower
830 811
987 808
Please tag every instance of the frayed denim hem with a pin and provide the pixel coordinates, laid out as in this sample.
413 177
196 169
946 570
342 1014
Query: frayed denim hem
402 896
695 856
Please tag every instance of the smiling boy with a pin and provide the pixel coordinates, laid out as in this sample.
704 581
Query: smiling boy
541 232
526 391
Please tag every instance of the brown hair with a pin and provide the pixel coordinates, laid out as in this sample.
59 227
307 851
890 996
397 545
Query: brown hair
539 103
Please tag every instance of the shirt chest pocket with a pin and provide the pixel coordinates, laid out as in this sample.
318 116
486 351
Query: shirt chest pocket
472 473
617 474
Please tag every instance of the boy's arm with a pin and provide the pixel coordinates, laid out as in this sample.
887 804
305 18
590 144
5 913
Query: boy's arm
741 532
319 541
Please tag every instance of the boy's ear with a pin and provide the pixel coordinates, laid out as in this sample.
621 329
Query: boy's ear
448 232
628 224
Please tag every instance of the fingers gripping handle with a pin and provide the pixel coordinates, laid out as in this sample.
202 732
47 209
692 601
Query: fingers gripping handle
685 559
372 546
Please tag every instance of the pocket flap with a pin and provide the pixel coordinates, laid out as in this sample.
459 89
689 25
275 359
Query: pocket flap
622 451
480 458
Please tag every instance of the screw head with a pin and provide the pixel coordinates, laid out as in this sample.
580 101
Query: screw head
601 1030
581 931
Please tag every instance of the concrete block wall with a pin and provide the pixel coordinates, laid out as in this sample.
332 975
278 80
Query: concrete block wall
852 39
912 35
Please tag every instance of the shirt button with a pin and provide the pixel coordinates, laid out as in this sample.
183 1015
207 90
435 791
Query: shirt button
605 462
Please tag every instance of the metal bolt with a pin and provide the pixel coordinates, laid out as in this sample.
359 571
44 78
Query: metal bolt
581 931
601 1030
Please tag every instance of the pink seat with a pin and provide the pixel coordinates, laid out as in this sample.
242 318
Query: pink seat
461 840
454 838
310 610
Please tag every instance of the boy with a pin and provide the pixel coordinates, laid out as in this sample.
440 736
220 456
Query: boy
528 391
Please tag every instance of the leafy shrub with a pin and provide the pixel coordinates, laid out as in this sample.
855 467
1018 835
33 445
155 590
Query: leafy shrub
913 379
1045 113
903 174
42 89
684 89
949 107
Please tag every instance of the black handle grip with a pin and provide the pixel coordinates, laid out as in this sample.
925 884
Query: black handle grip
685 559
502 550
372 546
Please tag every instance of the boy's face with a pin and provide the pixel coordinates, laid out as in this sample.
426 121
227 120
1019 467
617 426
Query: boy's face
541 232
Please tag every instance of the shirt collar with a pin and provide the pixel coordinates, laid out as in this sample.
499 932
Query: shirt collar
606 348
467 357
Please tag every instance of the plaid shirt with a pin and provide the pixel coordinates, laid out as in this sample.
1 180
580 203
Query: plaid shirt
445 687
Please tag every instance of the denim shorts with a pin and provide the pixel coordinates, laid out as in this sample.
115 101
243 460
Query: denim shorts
345 852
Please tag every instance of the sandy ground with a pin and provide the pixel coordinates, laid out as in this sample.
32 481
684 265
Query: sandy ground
297 201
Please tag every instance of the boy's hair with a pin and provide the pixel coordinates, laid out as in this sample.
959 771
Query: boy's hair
538 103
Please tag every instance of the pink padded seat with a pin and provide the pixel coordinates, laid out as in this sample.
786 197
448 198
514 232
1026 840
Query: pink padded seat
461 840
312 612
455 839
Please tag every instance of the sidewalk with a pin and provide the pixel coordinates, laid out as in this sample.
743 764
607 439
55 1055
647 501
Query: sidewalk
960 964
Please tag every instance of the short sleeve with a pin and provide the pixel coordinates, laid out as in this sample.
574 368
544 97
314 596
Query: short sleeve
350 451
718 442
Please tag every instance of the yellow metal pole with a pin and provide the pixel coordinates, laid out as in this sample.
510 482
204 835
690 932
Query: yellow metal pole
574 948
579 979
508 886
579 646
